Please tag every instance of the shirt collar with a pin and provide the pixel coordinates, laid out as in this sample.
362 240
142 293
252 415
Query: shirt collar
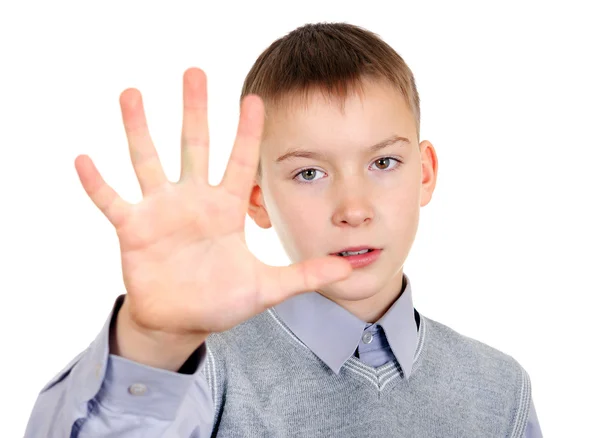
333 333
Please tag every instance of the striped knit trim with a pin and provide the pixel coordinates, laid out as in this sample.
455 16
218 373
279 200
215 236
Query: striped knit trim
359 371
206 371
524 405
211 378
389 380
388 373
380 376
371 370
421 338
287 330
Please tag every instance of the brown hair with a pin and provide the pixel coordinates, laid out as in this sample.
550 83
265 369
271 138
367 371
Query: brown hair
332 58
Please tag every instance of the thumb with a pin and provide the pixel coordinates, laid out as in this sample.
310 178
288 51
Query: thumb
305 276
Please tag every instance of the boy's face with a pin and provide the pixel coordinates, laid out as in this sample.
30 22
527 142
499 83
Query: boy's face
348 196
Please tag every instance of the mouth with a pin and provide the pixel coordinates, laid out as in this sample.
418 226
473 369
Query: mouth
358 250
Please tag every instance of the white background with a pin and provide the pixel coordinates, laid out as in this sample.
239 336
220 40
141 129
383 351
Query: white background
506 252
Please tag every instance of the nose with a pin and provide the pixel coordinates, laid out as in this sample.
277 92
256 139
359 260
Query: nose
354 207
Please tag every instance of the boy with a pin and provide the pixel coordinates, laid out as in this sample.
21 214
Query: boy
208 341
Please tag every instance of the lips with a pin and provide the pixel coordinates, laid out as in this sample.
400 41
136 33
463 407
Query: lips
353 249
358 261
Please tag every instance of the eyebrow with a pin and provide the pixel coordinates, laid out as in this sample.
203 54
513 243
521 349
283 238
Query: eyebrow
303 153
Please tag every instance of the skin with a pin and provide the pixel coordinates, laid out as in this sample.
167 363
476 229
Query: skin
351 197
179 244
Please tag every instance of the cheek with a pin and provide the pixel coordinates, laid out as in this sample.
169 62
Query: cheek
404 202
302 221
401 209
303 215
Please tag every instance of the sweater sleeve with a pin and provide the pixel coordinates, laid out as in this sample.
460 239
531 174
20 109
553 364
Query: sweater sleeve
532 429
103 395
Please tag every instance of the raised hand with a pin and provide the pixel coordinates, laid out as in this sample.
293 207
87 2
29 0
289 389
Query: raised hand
186 266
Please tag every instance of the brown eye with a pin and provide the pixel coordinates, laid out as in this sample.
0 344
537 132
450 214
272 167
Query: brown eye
383 160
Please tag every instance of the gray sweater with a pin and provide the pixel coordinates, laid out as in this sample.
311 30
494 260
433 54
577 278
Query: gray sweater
458 387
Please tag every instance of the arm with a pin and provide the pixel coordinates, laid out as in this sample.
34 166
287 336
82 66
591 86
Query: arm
101 394
533 426
188 273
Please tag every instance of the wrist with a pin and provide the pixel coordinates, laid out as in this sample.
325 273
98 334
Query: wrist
150 347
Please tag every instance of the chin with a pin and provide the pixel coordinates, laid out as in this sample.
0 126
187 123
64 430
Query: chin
353 289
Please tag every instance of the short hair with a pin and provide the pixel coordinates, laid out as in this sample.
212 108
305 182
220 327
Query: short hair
333 58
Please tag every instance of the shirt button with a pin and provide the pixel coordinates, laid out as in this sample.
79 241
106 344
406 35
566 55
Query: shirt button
137 389
367 337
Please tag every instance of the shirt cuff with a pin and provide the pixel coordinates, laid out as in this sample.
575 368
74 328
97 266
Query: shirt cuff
133 388
126 386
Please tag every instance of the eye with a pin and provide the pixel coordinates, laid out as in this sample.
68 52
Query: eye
385 160
383 164
308 173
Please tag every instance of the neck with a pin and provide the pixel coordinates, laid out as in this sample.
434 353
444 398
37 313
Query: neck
373 308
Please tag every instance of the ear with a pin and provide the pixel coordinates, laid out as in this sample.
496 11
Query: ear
429 170
256 208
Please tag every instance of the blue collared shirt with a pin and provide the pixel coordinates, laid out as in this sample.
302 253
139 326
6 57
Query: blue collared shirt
140 399
334 334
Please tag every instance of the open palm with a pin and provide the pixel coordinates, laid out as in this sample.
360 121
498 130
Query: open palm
186 266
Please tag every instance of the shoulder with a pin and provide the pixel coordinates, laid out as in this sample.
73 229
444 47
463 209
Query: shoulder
464 354
459 364
450 342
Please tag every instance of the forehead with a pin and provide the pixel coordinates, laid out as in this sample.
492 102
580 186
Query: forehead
376 109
